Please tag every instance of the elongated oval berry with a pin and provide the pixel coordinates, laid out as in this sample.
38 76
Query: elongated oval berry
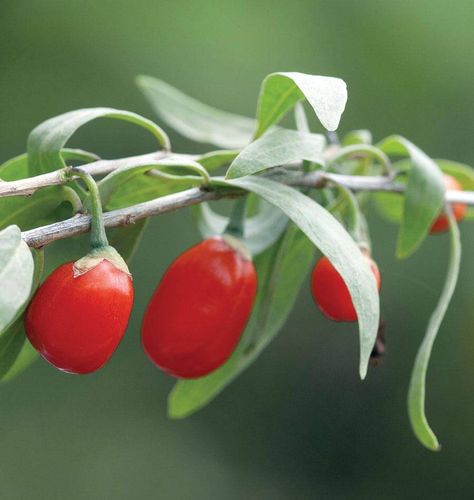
76 323
331 294
441 224
200 308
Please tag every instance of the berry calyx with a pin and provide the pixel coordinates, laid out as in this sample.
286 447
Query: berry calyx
331 294
200 308
441 224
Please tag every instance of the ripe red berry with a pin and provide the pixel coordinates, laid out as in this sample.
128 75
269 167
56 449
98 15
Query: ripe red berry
200 308
76 323
441 224
331 294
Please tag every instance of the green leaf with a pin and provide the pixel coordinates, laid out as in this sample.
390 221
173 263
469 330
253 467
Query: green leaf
281 271
281 91
326 232
215 159
260 231
16 353
125 175
144 188
25 358
301 120
16 274
464 175
416 392
11 344
126 239
357 137
27 211
17 167
193 119
47 139
277 147
424 195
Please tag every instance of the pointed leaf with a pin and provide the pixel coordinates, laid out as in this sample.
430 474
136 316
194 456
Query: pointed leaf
416 393
326 232
195 120
277 147
281 91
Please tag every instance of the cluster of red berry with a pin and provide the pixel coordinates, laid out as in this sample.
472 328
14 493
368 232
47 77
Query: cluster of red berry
194 319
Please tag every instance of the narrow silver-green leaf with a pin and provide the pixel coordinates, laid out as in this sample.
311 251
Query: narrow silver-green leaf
417 390
193 119
16 352
281 270
327 233
424 194
260 231
47 139
277 147
16 274
281 91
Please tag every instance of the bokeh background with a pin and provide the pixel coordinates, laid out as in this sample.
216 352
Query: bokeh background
299 423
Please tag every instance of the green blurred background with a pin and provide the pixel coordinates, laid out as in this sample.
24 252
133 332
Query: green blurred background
299 423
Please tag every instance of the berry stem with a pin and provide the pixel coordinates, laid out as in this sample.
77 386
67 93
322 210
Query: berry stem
98 235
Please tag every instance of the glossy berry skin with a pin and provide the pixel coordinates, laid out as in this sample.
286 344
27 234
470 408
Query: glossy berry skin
331 294
199 309
76 323
441 224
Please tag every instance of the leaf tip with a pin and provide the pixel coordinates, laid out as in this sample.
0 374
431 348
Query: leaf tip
363 370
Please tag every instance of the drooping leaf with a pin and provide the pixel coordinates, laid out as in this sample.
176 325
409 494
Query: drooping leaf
332 239
281 91
424 195
47 139
417 390
260 231
277 147
16 274
281 270
193 119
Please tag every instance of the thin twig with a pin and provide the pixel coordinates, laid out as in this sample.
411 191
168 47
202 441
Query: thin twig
79 224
